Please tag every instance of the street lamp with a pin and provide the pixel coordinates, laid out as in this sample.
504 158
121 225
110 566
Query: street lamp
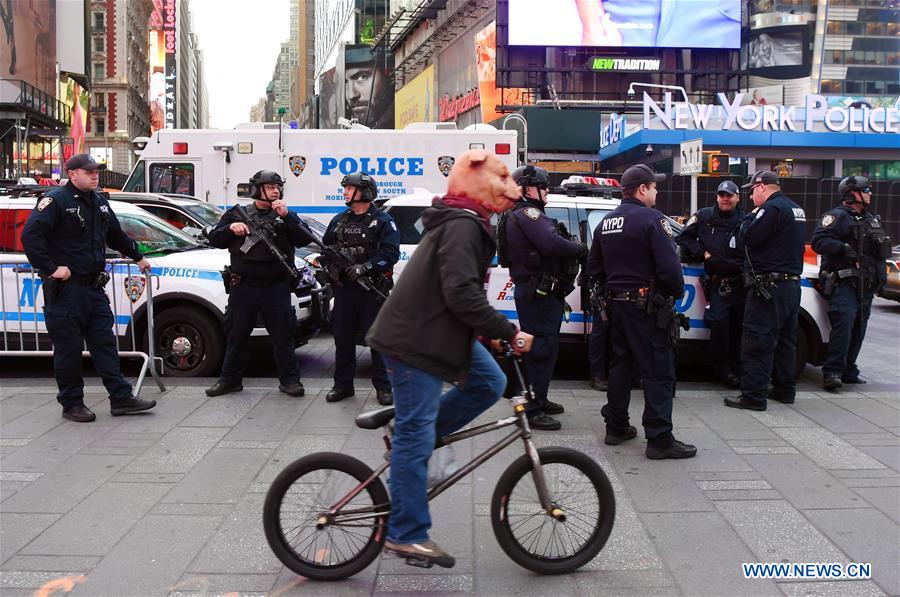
657 86
520 118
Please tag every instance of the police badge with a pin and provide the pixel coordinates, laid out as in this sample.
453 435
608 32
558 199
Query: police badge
667 228
134 287
445 163
297 164
827 221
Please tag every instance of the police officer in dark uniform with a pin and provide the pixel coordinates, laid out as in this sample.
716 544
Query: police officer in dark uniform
853 245
633 256
370 238
711 236
257 284
65 239
543 265
772 237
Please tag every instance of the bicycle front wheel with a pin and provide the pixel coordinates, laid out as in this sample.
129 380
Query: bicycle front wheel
532 538
300 529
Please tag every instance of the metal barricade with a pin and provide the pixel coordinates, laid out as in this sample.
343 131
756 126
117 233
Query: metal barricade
24 332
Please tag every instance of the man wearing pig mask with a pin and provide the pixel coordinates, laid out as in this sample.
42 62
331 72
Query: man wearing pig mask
426 332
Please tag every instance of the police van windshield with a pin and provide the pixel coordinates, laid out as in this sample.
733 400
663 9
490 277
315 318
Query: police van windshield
154 235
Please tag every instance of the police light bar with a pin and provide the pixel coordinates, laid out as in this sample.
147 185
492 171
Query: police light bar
591 180
501 148
179 148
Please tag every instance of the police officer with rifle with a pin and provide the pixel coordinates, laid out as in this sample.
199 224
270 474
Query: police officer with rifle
633 257
362 244
853 245
543 261
262 275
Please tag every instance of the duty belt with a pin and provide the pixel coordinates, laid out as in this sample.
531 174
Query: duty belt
777 277
848 272
632 296
82 280
735 280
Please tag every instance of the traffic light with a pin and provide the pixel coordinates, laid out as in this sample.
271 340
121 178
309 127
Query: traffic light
718 164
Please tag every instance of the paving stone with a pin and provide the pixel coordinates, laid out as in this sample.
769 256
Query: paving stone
248 445
289 584
50 563
757 443
865 536
827 449
148 478
624 582
776 532
659 486
833 417
48 581
435 584
781 415
880 438
178 451
704 553
44 453
876 482
865 474
868 409
713 454
746 451
726 476
27 477
155 553
9 488
225 583
18 530
65 486
222 411
837 588
885 499
296 447
94 525
165 509
731 423
14 408
628 546
206 484
803 483
743 494
743 484
172 408
886 455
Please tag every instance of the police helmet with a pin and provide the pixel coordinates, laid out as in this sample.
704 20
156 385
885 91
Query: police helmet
851 184
531 176
364 184
261 178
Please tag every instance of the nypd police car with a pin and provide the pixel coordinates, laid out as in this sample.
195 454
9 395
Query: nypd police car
581 203
189 298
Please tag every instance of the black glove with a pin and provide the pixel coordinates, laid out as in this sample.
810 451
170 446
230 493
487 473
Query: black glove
850 253
355 271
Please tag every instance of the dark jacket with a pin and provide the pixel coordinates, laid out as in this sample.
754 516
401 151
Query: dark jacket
711 230
439 305
838 233
774 237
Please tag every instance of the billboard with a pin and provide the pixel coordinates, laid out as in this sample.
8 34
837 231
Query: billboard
486 63
777 52
626 23
28 43
414 102
368 92
163 65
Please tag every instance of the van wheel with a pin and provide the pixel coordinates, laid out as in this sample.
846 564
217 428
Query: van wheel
189 342
802 352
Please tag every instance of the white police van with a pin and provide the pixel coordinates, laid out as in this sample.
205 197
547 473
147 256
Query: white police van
584 202
189 298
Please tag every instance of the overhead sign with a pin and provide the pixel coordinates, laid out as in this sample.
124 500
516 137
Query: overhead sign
692 156
604 63
612 132
814 116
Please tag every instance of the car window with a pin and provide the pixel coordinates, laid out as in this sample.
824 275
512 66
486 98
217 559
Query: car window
173 217
210 214
316 226
594 217
154 235
409 222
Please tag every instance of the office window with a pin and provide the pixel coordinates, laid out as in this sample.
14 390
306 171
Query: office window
99 126
99 21
99 44
99 71
99 100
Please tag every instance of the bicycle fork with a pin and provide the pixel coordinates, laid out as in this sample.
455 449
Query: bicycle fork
537 470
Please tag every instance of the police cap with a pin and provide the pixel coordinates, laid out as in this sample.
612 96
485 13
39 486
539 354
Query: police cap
83 161
762 177
729 187
638 175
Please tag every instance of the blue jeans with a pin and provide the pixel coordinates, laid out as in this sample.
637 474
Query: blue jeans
422 414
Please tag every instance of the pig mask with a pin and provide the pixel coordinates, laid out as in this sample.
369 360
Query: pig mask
483 177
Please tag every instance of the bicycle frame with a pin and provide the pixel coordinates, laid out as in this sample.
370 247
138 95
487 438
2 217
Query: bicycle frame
523 431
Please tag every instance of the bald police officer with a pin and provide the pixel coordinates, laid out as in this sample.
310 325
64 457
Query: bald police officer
65 239
853 246
772 236
633 256
711 236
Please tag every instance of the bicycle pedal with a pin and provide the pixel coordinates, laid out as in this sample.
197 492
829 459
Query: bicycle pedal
419 562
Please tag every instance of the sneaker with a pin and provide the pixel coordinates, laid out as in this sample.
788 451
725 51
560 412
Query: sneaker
745 403
294 388
130 406
553 408
614 438
423 554
832 383
674 450
78 413
544 422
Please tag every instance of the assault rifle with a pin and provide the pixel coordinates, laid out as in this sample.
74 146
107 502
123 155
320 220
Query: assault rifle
264 232
337 258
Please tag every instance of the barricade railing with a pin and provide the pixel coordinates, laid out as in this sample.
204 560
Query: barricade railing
23 331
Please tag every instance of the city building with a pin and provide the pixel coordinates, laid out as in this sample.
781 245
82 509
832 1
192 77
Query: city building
258 111
303 34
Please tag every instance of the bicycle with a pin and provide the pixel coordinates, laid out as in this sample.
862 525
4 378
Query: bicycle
325 515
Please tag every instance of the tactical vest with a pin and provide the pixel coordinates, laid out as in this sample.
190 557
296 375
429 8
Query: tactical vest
258 250
362 232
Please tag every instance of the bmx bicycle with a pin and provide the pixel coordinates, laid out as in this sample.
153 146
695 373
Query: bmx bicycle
552 510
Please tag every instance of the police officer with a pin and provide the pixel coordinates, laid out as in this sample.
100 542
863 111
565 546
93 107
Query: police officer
257 284
633 256
543 265
711 236
772 236
853 245
371 237
65 239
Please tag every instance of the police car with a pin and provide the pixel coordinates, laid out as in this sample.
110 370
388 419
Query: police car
189 298
581 203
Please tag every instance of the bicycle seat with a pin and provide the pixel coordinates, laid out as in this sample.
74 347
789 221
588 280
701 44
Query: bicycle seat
375 418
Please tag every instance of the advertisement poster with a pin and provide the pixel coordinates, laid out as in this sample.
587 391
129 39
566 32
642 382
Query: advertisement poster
368 93
414 102
328 98
626 23
163 66
772 95
775 48
486 62
28 43
78 100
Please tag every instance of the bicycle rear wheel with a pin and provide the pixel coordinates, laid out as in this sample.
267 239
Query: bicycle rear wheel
535 540
302 496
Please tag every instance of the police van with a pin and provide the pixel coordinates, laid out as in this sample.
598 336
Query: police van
188 296
581 203
215 165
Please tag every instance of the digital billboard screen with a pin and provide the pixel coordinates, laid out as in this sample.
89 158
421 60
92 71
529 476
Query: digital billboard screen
626 23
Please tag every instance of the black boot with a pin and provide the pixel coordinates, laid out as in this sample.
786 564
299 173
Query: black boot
544 422
674 450
385 397
745 403
337 394
553 408
223 387
130 406
294 388
616 437
832 383
78 413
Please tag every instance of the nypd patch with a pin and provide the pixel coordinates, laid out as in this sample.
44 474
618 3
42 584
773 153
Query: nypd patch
43 203
760 213
533 213
692 220
667 228
827 220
